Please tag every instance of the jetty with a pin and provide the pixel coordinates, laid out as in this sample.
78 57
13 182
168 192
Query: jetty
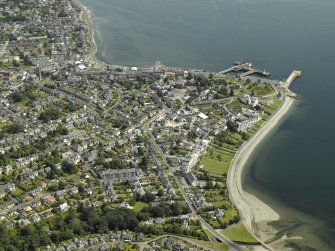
246 68
286 84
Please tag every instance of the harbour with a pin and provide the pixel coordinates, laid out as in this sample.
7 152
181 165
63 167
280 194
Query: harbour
247 69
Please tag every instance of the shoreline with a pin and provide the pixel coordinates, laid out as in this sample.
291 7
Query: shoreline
253 211
88 18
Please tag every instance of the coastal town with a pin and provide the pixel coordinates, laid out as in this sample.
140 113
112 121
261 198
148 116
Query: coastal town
107 157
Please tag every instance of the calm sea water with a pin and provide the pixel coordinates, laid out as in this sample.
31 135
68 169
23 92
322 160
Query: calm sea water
293 169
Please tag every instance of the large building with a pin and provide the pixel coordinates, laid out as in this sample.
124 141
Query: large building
120 174
192 158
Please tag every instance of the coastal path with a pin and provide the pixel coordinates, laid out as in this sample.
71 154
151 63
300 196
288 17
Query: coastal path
236 192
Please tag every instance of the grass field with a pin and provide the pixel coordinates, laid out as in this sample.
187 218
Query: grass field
4 124
276 104
262 89
238 105
216 166
217 159
238 232
229 215
139 206
217 246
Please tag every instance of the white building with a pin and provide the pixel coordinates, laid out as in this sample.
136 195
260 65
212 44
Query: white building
249 100
192 158
64 206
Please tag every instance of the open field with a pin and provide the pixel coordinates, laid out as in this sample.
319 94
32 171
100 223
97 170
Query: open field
238 232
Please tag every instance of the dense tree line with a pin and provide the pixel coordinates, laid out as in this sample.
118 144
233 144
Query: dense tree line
49 114
12 128
164 209
64 227
28 93
13 18
87 220
37 146
69 167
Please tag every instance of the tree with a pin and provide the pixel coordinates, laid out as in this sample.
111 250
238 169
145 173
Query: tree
232 92
27 61
15 63
144 163
12 37
231 125
160 192
13 128
49 114
97 224
28 230
62 13
69 168
21 55
148 197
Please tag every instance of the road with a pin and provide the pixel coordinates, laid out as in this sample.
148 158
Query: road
206 226
119 93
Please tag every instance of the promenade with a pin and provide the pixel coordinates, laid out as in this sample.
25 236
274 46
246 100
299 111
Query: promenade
252 210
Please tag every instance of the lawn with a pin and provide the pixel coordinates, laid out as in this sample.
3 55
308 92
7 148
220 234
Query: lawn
139 206
220 203
208 109
4 124
217 246
225 148
238 105
268 109
238 232
217 160
275 104
263 89
17 192
130 247
216 166
229 215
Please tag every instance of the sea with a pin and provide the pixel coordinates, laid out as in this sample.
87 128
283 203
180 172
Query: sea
293 169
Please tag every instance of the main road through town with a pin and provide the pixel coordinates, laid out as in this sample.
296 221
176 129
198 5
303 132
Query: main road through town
232 245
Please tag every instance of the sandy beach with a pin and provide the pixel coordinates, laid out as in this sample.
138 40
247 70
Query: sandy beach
255 214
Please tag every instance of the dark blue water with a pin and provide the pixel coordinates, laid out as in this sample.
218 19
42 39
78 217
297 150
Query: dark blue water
294 168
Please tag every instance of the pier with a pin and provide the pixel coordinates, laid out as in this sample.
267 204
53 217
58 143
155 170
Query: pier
286 84
291 78
255 71
246 68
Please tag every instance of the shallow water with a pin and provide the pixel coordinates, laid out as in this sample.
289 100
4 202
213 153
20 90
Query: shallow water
293 170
